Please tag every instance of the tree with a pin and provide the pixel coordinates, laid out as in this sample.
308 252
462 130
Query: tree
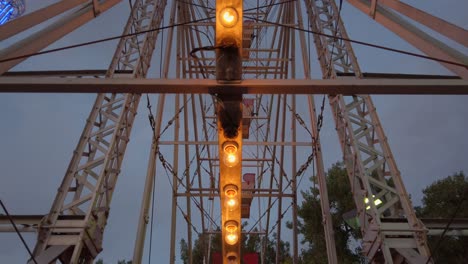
270 251
249 244
446 198
311 225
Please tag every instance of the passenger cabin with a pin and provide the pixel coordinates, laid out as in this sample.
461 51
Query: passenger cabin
248 188
247 38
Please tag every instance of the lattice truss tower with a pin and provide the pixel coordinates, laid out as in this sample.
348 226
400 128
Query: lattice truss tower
280 131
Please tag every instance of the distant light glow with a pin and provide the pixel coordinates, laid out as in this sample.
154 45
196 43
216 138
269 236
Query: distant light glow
376 202
10 9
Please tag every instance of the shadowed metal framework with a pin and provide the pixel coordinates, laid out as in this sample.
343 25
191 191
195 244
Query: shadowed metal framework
280 131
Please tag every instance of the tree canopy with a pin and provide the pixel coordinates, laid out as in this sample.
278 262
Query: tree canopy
311 225
447 198
251 243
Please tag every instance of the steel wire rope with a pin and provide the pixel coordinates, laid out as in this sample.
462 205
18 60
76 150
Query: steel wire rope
299 119
104 40
112 38
270 152
281 217
289 183
167 167
152 124
17 231
180 209
303 167
368 44
264 213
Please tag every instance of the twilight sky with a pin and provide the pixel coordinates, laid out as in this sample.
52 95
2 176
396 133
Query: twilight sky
39 131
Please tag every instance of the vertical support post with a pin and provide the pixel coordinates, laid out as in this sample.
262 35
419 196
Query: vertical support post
371 168
143 220
280 185
175 184
101 148
294 184
187 179
148 188
323 191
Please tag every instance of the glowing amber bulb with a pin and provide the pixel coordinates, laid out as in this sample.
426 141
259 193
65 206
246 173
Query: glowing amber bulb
376 202
231 238
231 204
228 17
231 155
230 191
231 232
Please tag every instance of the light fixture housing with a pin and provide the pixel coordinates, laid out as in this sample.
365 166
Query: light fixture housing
232 258
230 153
231 200
232 236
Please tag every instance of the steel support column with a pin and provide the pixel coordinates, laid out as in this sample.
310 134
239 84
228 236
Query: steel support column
88 185
50 34
371 168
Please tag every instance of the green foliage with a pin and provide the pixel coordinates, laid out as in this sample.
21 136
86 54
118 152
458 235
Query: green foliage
270 251
441 200
249 244
311 226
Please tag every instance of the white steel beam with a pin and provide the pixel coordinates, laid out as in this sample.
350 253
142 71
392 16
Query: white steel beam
445 28
50 34
87 188
35 18
346 86
372 170
416 37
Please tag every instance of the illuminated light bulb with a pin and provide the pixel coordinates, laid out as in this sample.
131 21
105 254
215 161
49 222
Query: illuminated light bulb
231 204
231 238
231 232
376 202
231 156
229 17
230 191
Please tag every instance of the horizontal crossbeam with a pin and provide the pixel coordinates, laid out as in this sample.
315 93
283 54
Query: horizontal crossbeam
346 86
435 226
